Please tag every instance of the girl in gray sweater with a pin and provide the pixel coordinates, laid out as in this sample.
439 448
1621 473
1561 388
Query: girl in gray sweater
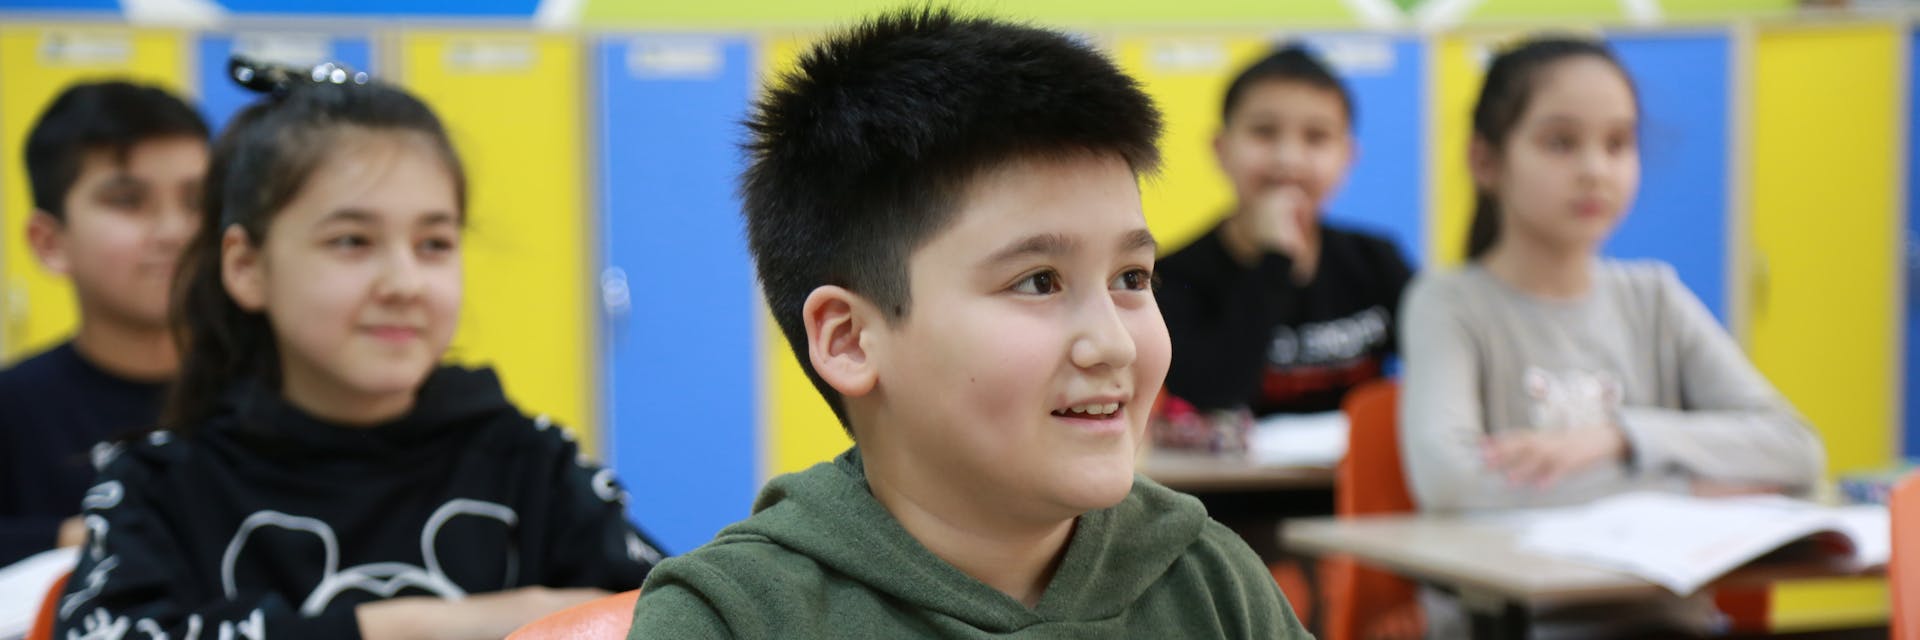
1543 374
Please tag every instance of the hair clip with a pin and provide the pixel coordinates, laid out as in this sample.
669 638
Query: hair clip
277 79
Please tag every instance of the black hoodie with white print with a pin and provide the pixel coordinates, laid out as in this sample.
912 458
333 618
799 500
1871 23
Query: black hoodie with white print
269 523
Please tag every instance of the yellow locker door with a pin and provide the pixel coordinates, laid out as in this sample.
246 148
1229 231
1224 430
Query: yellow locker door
37 62
1187 77
1458 66
798 429
1825 232
1826 229
512 105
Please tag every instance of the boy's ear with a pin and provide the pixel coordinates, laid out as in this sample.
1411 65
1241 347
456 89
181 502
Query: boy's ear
46 236
1484 163
838 322
241 271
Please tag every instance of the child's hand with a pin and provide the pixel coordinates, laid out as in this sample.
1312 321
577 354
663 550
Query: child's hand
1278 220
1541 458
73 533
490 616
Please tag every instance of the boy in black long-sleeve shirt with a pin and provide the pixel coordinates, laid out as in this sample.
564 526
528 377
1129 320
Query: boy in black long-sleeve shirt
115 170
1273 309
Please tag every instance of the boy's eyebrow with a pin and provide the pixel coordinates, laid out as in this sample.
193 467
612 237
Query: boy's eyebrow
1139 239
121 179
1044 244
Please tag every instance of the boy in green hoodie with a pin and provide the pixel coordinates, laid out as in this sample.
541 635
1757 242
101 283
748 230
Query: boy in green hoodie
946 221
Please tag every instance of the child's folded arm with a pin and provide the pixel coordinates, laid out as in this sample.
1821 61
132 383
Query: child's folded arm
1732 424
133 576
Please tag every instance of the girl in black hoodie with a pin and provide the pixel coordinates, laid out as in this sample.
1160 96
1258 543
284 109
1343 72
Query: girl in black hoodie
318 472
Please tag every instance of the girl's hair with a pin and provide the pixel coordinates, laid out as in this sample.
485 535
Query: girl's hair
1509 87
258 165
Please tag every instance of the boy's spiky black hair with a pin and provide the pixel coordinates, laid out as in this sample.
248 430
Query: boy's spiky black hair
112 115
1291 63
862 153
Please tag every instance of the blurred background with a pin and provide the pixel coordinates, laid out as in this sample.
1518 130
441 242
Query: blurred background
607 276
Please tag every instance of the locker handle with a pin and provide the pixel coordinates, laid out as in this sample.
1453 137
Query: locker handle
616 298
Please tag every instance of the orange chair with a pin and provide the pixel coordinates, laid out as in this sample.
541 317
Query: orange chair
1903 573
608 617
49 605
1362 602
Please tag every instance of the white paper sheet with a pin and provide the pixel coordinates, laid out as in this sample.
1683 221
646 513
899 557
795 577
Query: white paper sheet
24 584
1299 440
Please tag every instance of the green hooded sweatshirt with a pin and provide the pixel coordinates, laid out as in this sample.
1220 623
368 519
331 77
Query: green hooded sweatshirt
821 558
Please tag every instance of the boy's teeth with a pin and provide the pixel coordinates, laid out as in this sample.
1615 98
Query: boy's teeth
1095 409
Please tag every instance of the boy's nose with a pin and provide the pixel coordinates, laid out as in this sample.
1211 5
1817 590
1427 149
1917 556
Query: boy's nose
175 226
1288 152
1103 340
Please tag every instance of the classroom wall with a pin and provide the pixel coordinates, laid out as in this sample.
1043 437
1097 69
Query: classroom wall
608 278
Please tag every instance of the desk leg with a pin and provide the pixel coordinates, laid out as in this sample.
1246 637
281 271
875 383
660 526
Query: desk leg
1512 622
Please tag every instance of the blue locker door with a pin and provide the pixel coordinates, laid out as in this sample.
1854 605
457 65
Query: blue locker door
1681 213
1386 191
679 340
220 98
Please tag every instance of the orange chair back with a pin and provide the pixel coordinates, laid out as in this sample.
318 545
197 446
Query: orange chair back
1370 479
1903 572
607 618
1362 602
49 607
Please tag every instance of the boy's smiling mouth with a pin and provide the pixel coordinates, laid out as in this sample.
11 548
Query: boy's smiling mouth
1095 414
1090 410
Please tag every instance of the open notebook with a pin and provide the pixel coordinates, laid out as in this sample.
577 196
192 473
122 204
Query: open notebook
1683 543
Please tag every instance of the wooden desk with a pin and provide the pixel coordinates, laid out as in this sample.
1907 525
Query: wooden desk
1478 559
1197 472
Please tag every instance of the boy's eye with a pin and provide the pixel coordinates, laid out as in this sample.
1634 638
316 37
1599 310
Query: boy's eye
1040 283
1560 142
349 241
125 199
190 197
1621 143
1132 280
